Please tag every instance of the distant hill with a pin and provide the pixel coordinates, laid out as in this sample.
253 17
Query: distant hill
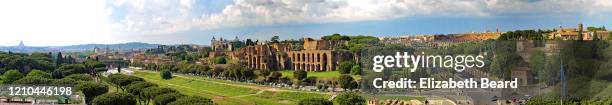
131 45
81 47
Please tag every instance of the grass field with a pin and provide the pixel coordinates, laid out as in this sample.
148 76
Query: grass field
228 92
319 75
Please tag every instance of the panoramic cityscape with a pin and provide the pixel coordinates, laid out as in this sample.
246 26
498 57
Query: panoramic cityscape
327 52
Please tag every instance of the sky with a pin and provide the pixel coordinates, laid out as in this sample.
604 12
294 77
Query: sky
71 22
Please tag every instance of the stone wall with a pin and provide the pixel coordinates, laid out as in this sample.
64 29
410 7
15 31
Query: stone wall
316 56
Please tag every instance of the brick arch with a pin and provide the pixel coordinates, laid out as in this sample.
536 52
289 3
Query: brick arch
253 62
293 57
299 57
312 57
309 57
324 62
318 57
303 57
309 67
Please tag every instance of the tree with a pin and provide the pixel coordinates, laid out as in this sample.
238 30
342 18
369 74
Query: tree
345 67
91 90
151 92
248 74
80 77
192 100
220 60
22 64
166 74
347 82
237 71
300 74
350 98
73 69
275 75
164 99
356 70
38 73
264 73
137 89
115 98
69 60
522 35
217 71
64 81
59 60
32 80
94 67
10 76
274 39
57 74
122 80
335 37
315 101
505 55
249 42
602 28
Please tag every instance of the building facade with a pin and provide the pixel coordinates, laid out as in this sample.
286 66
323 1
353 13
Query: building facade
316 55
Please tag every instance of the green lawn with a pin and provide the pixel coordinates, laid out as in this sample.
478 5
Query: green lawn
226 92
319 75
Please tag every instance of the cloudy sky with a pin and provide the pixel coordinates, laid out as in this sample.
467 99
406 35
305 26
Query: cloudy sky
69 22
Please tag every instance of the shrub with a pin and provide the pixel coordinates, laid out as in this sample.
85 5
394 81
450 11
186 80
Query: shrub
192 100
315 101
64 82
32 80
356 70
80 77
38 73
166 74
350 98
57 74
164 99
91 90
137 89
220 60
115 99
300 74
347 82
10 76
345 67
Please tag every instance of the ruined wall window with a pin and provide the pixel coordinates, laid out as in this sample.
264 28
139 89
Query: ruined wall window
303 57
293 57
318 57
308 57
312 57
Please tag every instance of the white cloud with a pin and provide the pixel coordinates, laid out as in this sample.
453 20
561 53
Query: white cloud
60 22
53 22
163 17
262 12
153 16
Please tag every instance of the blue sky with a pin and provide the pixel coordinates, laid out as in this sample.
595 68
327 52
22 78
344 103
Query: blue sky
69 22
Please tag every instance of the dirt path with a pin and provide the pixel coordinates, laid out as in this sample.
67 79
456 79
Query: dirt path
258 92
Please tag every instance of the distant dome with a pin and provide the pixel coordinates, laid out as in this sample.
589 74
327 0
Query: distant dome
21 44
